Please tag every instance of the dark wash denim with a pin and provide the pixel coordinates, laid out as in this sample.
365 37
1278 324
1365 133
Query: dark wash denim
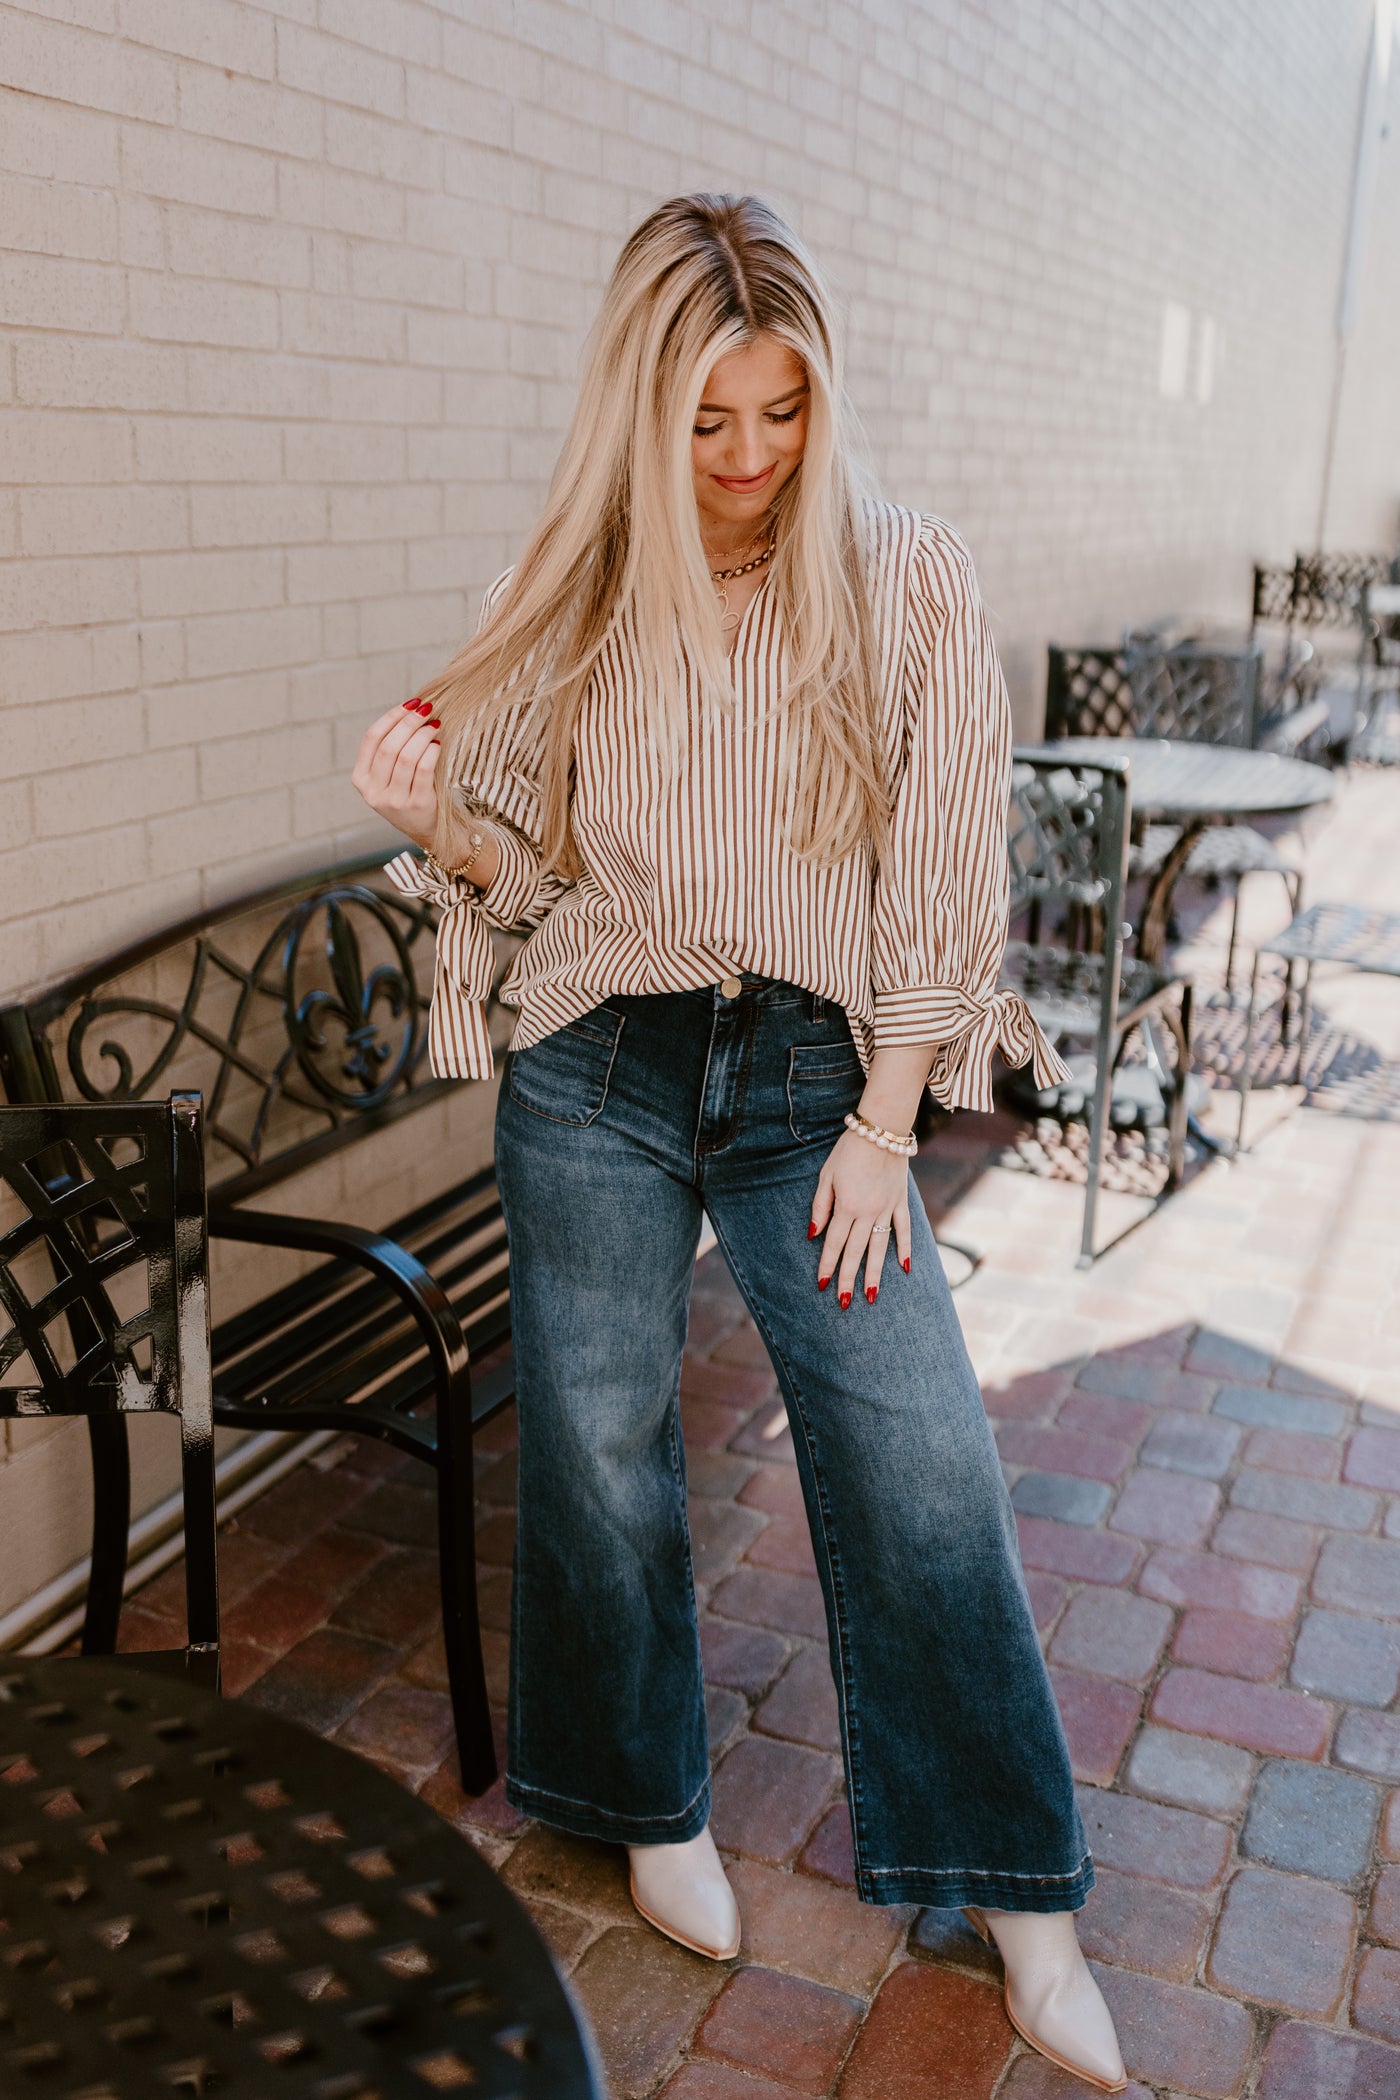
612 1134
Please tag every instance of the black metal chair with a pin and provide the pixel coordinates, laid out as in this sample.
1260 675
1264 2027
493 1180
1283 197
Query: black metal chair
1198 695
1149 687
104 1300
1345 934
1068 845
1317 592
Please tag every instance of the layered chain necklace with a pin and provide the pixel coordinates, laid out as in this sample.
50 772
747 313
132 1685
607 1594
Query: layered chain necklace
722 578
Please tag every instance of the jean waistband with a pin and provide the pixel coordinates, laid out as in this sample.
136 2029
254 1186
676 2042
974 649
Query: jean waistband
754 990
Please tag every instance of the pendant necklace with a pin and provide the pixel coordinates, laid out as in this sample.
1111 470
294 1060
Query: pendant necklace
722 578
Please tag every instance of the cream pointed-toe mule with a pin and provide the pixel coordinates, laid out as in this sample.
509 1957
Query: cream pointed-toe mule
1051 1998
684 1892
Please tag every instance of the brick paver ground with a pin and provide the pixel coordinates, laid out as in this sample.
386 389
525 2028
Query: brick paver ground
1203 1440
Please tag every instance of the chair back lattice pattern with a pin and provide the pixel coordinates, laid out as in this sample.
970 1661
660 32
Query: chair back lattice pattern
1067 833
103 1290
1318 590
1068 846
1185 690
299 1013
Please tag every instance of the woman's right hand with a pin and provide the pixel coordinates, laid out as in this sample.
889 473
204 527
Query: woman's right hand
394 769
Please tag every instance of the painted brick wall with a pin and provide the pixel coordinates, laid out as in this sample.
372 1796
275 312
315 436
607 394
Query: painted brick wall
291 296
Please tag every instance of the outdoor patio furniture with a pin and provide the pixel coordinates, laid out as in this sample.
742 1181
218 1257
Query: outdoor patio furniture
200 1897
1376 738
1317 591
1284 711
104 1312
301 1013
1193 786
1368 941
1294 717
1317 596
1189 693
1068 846
1184 690
1223 854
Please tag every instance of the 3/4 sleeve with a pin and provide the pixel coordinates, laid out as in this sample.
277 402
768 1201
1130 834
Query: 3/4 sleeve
940 908
498 783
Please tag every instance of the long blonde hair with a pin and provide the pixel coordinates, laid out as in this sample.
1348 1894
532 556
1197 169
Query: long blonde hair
620 536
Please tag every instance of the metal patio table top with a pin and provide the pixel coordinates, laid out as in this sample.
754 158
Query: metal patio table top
1190 783
199 1897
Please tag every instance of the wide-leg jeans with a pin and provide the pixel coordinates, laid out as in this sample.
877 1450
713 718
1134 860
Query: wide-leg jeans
613 1135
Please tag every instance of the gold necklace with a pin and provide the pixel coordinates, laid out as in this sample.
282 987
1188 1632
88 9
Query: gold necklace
722 578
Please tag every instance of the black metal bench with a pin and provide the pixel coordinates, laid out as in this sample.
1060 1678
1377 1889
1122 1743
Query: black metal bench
300 1013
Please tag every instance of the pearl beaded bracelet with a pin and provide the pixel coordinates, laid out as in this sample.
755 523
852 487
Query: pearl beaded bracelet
888 1140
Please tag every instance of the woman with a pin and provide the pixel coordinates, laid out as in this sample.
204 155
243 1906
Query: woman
733 741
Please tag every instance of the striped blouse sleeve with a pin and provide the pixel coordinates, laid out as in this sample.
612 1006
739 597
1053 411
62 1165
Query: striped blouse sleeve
498 782
940 908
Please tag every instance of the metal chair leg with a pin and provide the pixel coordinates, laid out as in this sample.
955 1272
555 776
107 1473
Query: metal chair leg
1098 1123
1304 1023
111 1522
196 1387
1293 885
1247 1068
461 1627
1177 1116
201 1552
1234 931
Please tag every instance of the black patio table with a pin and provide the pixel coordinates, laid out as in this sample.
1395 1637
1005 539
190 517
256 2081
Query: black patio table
1195 785
199 1897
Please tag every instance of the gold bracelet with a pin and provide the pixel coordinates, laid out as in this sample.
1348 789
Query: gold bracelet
459 873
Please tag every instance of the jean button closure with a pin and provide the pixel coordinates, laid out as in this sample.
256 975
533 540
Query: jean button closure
731 987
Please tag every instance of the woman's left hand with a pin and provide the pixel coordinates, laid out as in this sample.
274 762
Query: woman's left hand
861 1189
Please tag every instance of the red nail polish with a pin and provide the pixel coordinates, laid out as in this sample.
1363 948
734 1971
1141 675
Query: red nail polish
822 1282
434 725
811 1232
413 704
845 1300
872 1292
905 1265
425 707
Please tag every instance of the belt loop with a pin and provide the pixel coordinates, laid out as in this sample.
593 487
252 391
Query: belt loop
818 1006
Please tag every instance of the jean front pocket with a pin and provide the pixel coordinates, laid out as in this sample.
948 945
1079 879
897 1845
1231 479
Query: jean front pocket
565 1075
824 1080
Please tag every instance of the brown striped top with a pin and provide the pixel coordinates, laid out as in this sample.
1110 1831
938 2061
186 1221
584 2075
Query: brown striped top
687 881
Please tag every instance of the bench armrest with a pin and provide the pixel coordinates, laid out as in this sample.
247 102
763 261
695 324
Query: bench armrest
393 1264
